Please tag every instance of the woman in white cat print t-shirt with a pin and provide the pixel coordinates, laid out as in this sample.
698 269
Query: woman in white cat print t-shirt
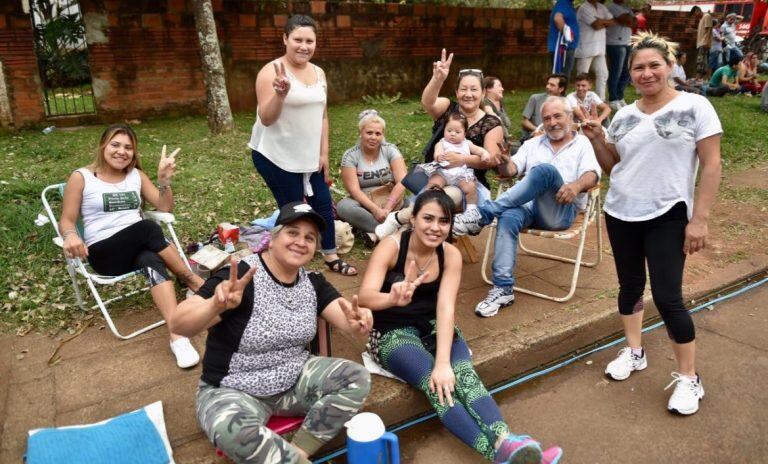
652 152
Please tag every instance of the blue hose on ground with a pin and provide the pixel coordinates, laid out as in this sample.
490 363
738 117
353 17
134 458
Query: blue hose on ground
547 370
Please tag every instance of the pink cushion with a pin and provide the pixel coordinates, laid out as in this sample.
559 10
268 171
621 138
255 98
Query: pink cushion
281 425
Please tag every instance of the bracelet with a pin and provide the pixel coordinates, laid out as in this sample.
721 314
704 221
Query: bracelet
391 201
67 233
163 187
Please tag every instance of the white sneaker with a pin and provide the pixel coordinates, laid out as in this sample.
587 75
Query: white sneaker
498 297
186 355
688 392
615 105
623 103
388 227
625 363
468 222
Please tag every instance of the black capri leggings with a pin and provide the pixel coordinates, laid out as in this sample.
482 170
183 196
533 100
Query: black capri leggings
659 241
134 248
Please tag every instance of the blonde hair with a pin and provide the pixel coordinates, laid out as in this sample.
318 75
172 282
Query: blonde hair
106 137
370 116
645 40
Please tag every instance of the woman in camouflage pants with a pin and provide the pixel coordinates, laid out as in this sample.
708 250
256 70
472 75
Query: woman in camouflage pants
256 362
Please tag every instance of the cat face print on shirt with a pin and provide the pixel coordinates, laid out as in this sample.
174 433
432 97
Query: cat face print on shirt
674 124
621 127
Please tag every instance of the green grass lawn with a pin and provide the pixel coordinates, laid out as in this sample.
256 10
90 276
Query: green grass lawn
216 182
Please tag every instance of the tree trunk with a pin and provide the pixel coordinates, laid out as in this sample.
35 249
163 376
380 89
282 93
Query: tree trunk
219 112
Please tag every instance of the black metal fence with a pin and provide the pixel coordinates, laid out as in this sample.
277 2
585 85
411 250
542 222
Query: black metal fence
65 101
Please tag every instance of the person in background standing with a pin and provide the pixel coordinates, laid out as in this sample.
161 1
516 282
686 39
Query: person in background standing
641 19
563 14
729 36
617 49
716 48
703 41
594 18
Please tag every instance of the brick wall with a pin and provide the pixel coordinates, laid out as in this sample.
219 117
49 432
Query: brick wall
144 54
17 57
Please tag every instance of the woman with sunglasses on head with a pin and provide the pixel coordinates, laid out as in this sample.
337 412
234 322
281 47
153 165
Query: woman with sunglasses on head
411 284
289 140
484 130
652 153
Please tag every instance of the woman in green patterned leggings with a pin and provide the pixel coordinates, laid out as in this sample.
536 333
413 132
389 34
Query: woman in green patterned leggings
415 339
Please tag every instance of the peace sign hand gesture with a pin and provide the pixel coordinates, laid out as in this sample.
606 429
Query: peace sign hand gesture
440 69
359 319
401 292
167 167
281 84
229 293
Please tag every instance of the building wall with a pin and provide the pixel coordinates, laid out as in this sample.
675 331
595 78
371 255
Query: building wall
17 57
144 54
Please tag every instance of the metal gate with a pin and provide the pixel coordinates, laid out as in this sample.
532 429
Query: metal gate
62 57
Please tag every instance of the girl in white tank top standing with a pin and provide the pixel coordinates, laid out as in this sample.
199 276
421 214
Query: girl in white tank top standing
108 195
289 141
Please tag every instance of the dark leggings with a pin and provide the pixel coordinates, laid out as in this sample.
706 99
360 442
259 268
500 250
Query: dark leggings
475 418
287 187
659 241
134 248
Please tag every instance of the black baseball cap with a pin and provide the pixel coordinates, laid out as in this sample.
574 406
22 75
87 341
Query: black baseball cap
298 210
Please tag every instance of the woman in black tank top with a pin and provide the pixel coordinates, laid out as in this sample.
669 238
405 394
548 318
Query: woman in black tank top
411 285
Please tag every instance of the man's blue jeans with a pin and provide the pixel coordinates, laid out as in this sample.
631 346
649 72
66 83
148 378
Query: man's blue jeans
618 70
530 202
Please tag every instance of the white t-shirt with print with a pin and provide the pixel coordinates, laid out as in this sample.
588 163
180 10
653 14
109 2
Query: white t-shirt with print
657 156
591 100
591 41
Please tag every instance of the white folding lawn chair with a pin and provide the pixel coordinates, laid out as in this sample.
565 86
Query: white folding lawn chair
78 269
579 229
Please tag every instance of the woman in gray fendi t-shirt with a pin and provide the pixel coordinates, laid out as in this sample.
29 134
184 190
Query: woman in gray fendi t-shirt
371 163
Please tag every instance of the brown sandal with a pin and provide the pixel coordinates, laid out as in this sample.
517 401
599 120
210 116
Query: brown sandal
342 267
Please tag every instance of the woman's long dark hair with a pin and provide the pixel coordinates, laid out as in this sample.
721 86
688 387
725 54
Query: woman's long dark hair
436 195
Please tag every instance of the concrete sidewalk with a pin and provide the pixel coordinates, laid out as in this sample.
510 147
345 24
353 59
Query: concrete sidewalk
99 376
600 421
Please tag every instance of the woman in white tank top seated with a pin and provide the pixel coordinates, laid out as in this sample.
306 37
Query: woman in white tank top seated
289 140
108 195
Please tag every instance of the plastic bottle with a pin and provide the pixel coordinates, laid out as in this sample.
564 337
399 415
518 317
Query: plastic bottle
48 130
229 247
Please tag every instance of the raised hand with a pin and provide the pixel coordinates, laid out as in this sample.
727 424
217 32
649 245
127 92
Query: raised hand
440 69
281 84
229 293
167 166
358 318
592 129
401 292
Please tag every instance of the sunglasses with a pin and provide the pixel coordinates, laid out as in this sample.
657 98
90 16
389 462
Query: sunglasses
474 72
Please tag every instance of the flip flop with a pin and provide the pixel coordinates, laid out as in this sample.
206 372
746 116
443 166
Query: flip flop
342 267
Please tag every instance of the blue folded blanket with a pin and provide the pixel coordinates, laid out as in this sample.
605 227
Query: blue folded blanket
127 439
